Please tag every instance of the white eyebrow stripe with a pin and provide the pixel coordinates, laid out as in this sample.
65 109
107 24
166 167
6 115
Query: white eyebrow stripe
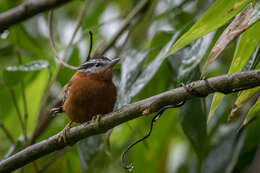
93 61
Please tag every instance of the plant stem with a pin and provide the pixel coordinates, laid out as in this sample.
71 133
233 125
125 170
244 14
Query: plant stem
18 112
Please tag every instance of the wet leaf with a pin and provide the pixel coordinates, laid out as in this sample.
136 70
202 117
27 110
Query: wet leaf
235 28
14 74
151 69
225 149
193 120
256 14
217 15
192 55
31 66
133 77
253 61
130 69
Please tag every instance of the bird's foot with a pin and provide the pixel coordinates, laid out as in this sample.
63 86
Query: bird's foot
96 119
65 131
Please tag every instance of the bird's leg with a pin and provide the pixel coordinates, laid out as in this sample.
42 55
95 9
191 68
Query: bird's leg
96 119
65 132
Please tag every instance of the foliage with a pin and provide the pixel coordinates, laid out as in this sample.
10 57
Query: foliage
166 44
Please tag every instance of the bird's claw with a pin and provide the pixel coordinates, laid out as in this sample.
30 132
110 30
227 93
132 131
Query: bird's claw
64 133
96 119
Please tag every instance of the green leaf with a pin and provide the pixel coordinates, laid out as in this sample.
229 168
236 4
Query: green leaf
151 69
15 74
254 60
130 69
31 66
217 15
6 50
253 138
87 149
254 111
225 149
193 121
23 40
192 56
247 44
134 77
240 101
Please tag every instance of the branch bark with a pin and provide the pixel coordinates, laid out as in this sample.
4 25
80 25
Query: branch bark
240 80
27 10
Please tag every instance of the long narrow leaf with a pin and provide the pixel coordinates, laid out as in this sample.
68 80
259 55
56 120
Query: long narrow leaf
217 15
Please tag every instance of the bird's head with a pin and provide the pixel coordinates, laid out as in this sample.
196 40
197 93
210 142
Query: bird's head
98 64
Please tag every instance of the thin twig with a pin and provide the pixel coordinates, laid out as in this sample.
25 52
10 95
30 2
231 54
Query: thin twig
24 105
60 59
18 112
79 21
95 28
50 161
102 50
26 10
7 133
127 113
23 96
120 49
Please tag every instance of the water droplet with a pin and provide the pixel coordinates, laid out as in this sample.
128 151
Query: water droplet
130 168
4 34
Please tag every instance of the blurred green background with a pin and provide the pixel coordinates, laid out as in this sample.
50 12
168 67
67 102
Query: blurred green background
165 44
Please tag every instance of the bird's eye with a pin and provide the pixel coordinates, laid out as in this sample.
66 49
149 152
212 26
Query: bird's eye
97 64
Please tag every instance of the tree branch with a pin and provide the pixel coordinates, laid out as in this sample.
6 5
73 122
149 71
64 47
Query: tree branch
26 10
233 82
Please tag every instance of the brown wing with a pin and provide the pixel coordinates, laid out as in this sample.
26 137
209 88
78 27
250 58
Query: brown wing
65 92
59 105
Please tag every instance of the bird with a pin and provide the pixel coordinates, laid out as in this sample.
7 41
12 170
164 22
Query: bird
90 92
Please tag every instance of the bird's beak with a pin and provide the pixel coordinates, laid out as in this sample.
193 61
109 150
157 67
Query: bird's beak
113 62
